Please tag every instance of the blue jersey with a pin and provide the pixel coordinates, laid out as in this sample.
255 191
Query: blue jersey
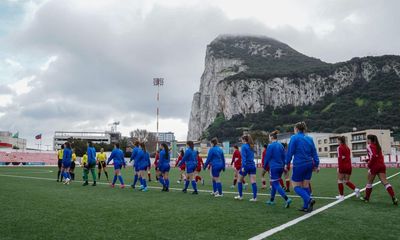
247 156
164 159
118 156
67 155
91 153
134 155
215 157
147 159
302 150
275 156
189 158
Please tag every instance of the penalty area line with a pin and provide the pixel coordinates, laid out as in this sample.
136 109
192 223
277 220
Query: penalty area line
308 215
174 189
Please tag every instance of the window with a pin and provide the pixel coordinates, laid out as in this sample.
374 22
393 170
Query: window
325 140
319 141
358 137
319 149
326 149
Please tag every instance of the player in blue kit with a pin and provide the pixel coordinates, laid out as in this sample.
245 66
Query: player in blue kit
275 159
135 167
66 162
164 166
248 167
216 158
190 160
305 161
143 163
118 159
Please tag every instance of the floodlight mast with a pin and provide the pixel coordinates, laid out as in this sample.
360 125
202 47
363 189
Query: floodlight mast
158 82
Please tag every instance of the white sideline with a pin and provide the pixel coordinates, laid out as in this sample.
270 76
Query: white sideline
306 216
154 187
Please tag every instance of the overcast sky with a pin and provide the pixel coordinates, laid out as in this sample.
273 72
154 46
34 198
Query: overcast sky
80 65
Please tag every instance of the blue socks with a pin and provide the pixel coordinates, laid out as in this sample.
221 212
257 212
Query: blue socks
254 187
144 183
114 180
273 192
186 184
161 179
214 186
276 186
219 187
303 194
135 180
121 180
240 189
167 183
194 185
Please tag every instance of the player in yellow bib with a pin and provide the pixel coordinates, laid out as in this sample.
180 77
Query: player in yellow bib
72 168
60 154
101 159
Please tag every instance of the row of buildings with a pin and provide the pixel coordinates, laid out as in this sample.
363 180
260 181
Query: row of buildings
326 143
9 140
106 137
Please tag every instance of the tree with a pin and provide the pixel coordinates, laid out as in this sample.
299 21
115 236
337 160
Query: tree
142 135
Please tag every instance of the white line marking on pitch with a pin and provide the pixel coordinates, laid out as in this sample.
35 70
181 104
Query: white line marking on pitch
306 216
154 187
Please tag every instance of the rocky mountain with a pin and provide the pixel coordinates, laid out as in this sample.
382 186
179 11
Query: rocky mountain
247 75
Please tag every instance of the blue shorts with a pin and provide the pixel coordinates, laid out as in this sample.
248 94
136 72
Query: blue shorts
216 170
301 173
142 168
190 169
275 174
164 168
135 168
248 170
117 166
66 164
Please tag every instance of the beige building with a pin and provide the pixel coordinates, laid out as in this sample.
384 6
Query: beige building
357 142
14 141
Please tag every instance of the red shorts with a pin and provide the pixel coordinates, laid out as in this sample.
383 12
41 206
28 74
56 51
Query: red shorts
288 167
198 169
267 169
377 169
345 170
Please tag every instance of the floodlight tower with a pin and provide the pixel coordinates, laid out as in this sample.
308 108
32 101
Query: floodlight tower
158 82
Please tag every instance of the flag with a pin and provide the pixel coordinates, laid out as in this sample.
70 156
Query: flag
15 135
38 137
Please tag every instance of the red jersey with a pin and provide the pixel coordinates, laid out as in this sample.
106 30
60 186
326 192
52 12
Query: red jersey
200 164
157 158
263 157
375 158
344 160
183 166
237 159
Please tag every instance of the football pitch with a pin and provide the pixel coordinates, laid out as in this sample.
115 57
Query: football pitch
35 206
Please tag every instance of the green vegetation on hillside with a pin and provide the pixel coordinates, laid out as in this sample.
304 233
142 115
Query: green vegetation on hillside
373 104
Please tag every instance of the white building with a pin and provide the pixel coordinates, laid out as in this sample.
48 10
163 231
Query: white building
165 136
16 142
60 137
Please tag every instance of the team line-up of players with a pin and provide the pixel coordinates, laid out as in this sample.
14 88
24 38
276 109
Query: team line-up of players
300 153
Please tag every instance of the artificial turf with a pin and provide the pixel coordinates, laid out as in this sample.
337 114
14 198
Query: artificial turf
44 209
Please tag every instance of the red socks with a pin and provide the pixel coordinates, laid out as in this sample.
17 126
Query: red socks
263 183
351 185
287 184
198 178
281 182
309 187
341 190
234 182
389 189
368 191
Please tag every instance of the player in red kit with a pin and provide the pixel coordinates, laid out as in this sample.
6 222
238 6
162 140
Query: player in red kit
286 174
376 166
237 164
156 159
182 167
200 165
344 168
265 170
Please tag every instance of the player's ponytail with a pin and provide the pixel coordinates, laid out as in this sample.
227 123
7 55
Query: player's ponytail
190 144
374 140
166 149
214 141
249 140
274 134
301 126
